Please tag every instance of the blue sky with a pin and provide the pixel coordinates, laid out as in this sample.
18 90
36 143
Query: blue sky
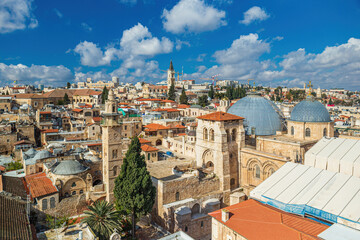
277 42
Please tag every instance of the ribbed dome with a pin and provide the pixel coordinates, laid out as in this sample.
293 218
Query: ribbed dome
310 110
42 155
259 113
69 167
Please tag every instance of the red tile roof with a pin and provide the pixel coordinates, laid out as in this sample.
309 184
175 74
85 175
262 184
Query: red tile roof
168 101
45 112
254 220
77 110
150 99
39 184
2 168
23 142
97 119
143 141
183 106
147 148
94 144
50 130
182 134
155 127
220 116
179 126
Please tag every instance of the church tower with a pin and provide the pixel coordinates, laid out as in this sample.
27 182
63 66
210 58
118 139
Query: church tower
111 145
170 75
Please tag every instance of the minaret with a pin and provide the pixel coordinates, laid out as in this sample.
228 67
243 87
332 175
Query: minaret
111 145
170 75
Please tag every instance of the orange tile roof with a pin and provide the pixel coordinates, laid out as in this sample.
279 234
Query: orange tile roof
183 106
147 148
155 127
254 220
172 110
39 184
94 144
143 141
2 168
77 110
50 130
97 119
182 134
86 105
168 101
45 112
179 126
150 99
220 116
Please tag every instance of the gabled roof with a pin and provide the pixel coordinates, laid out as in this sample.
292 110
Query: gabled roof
40 185
254 220
220 116
147 148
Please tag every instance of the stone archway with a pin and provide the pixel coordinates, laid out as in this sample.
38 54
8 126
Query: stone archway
158 142
208 158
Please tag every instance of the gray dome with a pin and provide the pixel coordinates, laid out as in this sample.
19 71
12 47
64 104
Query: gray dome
260 113
310 110
31 152
69 167
42 155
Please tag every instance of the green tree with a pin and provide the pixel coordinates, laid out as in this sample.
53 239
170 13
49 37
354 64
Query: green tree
103 218
60 102
203 101
7 93
104 95
66 99
211 92
133 190
13 166
183 97
171 93
68 85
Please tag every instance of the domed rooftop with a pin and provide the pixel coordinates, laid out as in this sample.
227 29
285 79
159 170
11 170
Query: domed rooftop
42 155
310 110
31 152
259 113
69 167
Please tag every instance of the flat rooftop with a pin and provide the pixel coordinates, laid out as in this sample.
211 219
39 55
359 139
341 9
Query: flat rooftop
285 138
164 169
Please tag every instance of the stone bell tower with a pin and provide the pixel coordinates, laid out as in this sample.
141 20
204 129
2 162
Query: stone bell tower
111 145
170 75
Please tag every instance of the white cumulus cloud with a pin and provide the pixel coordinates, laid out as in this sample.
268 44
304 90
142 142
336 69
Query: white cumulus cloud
254 14
49 75
16 15
192 16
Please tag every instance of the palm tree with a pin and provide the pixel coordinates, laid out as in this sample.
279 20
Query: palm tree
102 218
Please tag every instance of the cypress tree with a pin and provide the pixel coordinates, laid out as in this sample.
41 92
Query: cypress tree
133 190
183 97
66 99
104 95
171 93
211 92
68 85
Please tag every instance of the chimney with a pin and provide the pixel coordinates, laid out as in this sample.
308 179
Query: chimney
225 215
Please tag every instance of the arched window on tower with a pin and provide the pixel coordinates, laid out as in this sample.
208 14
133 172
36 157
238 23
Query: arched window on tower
292 130
212 135
177 196
257 171
233 135
325 132
307 132
205 134
228 137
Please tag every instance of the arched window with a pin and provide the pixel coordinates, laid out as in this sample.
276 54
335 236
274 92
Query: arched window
73 193
115 171
205 134
73 184
195 209
186 228
233 135
292 130
44 204
271 171
325 132
81 191
228 137
232 181
307 132
177 196
257 171
52 202
212 135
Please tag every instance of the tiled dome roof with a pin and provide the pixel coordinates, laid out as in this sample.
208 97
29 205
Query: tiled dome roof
310 110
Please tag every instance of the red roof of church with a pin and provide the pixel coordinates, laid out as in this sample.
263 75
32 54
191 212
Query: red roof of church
254 220
39 184
220 116
147 148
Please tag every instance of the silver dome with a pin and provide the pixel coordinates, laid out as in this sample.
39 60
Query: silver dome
259 113
310 110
